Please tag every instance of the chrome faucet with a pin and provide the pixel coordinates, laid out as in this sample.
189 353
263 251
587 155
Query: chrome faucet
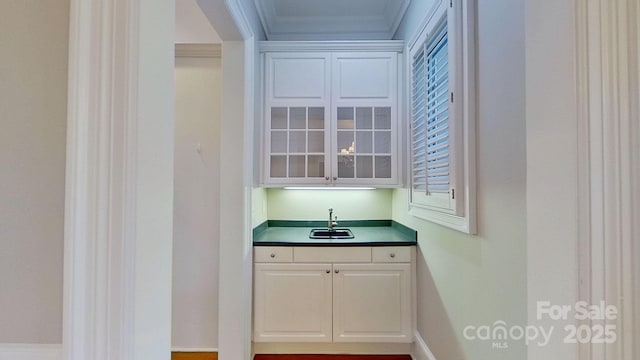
333 221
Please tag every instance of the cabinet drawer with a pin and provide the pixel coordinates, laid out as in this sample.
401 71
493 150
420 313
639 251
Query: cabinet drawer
332 254
391 254
273 254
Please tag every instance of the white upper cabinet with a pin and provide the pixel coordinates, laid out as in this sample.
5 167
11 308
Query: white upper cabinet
295 77
330 115
364 77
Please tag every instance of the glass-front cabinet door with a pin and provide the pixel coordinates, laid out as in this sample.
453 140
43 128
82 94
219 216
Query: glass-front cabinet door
364 96
297 144
297 118
364 143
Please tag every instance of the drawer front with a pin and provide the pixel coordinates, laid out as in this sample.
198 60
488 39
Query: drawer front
272 254
332 254
391 254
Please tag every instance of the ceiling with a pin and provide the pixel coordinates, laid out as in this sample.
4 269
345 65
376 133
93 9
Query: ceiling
330 19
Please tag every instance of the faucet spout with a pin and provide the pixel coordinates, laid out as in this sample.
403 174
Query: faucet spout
333 222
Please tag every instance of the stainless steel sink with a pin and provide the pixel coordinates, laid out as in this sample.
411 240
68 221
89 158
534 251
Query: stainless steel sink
331 234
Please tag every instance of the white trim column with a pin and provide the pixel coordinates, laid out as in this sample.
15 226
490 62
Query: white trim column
607 45
119 192
236 177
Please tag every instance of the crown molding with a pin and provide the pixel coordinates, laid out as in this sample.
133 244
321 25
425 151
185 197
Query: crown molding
199 50
364 45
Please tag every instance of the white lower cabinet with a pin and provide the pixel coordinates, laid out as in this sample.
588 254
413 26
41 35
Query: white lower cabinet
372 303
359 302
292 302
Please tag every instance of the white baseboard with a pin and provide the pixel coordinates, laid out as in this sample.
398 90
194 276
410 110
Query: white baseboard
331 348
30 351
420 350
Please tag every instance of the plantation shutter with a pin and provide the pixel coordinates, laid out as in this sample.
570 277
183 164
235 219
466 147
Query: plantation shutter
430 114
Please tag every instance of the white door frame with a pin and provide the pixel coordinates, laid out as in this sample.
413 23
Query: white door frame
119 191
119 180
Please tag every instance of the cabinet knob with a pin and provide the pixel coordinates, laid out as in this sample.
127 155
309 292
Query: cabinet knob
335 178
272 255
326 178
392 255
337 271
328 271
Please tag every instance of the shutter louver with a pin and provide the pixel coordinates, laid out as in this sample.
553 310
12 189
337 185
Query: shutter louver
430 114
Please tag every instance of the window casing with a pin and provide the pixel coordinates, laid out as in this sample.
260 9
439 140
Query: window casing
442 131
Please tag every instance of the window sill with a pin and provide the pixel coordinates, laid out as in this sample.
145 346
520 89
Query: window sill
455 222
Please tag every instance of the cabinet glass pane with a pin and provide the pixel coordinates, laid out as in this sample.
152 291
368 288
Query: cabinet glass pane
345 142
345 167
383 166
345 118
364 167
278 166
316 118
383 142
278 142
316 141
296 165
279 118
383 117
298 117
364 143
315 166
364 117
297 142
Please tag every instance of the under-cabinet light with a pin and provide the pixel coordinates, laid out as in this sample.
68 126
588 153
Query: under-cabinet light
326 188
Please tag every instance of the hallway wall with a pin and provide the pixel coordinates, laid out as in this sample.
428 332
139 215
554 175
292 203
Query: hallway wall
33 109
196 203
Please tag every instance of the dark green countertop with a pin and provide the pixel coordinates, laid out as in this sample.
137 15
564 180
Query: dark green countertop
366 233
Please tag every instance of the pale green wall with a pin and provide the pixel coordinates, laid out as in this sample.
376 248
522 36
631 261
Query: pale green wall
258 206
478 280
285 204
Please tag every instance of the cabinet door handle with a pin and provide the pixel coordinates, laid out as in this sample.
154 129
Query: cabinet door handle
337 271
392 255
272 255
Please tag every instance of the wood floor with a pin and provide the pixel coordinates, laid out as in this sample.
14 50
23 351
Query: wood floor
194 356
330 357
214 356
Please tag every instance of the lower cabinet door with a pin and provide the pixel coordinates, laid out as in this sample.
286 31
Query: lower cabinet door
372 303
292 302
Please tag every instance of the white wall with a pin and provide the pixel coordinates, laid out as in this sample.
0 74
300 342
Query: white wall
552 159
478 280
33 109
192 26
196 203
